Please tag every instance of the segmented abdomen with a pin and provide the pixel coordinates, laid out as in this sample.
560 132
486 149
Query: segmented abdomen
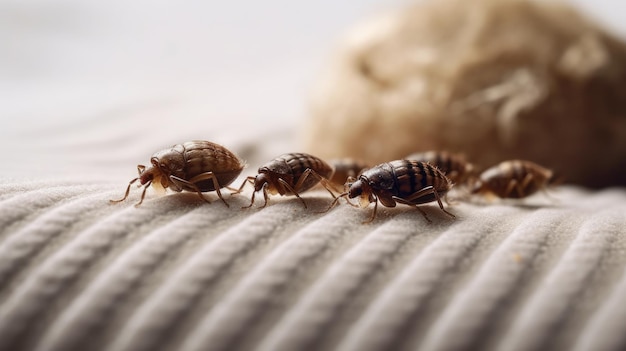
204 156
453 166
413 176
297 163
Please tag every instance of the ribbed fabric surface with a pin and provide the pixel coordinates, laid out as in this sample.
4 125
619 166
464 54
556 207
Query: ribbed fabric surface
78 273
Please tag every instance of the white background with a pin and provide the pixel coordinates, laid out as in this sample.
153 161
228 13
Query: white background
97 74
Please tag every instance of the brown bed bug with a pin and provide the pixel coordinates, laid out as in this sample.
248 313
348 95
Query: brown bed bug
198 166
514 179
346 168
290 174
406 182
454 166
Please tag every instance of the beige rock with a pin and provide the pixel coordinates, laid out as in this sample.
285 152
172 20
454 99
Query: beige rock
493 79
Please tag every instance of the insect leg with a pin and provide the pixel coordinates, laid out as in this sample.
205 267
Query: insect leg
402 201
441 204
513 185
251 200
351 204
216 185
127 191
335 201
427 190
265 196
326 184
309 172
178 181
373 212
143 193
173 183
249 179
292 190
423 192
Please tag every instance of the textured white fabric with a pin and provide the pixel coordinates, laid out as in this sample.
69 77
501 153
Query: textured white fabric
177 273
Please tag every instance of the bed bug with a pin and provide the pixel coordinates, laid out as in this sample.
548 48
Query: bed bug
406 182
290 174
514 179
346 168
198 166
454 166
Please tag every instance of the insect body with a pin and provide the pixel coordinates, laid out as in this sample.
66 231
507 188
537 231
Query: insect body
402 181
454 166
514 179
198 166
346 168
290 174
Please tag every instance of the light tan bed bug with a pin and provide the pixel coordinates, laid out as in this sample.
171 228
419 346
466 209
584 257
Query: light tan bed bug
454 166
198 166
514 179
290 174
406 182
346 168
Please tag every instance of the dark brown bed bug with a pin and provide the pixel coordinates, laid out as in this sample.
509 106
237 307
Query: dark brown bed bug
346 168
407 182
198 166
454 166
514 179
290 174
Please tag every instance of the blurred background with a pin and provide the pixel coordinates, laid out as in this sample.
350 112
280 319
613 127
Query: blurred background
86 87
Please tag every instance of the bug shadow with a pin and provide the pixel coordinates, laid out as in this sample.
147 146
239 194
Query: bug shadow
314 205
318 205
435 215
192 200
532 203
536 206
